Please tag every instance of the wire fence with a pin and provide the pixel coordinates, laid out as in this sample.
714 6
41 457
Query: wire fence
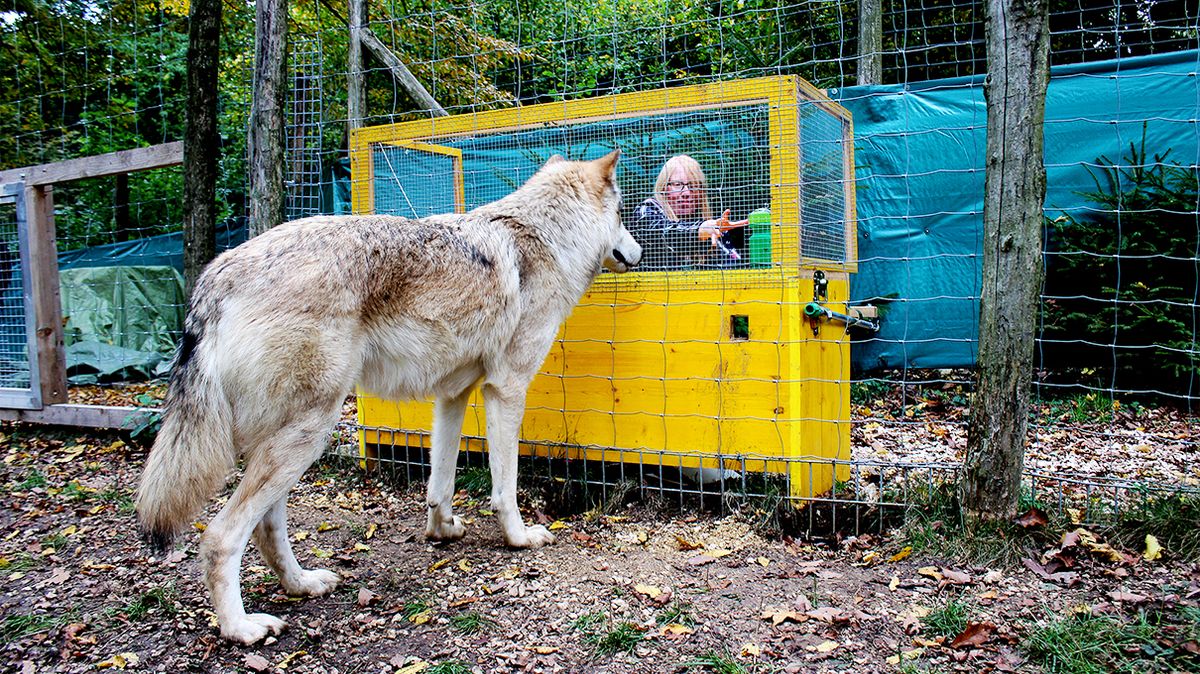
1117 357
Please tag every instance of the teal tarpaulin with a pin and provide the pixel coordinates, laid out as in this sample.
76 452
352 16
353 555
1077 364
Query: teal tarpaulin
919 153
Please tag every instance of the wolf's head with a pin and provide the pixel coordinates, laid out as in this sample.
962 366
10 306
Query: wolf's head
598 180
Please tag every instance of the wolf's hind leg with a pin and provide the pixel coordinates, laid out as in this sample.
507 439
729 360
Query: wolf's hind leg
505 407
272 540
443 524
272 468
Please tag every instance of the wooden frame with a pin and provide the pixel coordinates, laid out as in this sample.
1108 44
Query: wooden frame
31 188
31 397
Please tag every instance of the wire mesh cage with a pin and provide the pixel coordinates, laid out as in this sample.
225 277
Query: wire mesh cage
708 347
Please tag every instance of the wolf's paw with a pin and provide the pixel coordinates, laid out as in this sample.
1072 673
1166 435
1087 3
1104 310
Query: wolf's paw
445 531
529 537
312 583
249 628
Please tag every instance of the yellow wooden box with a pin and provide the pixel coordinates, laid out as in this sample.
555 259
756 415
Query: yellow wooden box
678 368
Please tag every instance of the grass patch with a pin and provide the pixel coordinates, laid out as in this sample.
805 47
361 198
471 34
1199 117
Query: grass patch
605 637
475 480
677 612
450 667
121 499
159 598
935 525
949 619
719 663
471 622
415 608
22 563
1085 644
1171 519
17 627
33 480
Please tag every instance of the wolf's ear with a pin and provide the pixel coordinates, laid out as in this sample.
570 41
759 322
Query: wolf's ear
554 159
608 163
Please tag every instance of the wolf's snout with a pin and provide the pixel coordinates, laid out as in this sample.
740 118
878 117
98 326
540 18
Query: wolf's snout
619 257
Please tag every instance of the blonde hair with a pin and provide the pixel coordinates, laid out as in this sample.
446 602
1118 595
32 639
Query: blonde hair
694 173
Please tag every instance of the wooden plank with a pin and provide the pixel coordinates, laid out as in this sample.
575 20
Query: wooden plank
87 416
113 163
401 74
47 301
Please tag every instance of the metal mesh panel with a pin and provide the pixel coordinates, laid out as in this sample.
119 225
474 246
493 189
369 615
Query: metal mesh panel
14 355
823 182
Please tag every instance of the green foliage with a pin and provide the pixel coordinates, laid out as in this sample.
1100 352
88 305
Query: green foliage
949 619
471 622
1170 519
160 599
718 663
18 626
1121 280
1084 644
604 636
450 667
868 390
34 479
475 480
678 612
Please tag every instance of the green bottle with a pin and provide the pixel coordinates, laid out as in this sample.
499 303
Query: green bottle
760 238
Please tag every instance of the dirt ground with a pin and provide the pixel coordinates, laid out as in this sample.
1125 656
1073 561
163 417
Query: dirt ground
640 591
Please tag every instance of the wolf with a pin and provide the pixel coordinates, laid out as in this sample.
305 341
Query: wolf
281 328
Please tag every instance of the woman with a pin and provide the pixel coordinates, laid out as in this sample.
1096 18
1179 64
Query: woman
676 227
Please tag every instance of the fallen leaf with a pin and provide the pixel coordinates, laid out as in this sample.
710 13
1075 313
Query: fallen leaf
931 571
1032 518
648 591
421 618
413 668
685 544
257 662
904 656
370 533
439 564
327 526
903 554
464 565
1153 549
751 651
674 629
894 584
827 646
975 635
779 615
287 659
763 561
544 650
300 535
829 614
365 596
1126 597
362 547
952 577
119 661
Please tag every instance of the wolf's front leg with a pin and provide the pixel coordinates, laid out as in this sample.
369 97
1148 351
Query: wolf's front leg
505 408
448 413
221 548
272 540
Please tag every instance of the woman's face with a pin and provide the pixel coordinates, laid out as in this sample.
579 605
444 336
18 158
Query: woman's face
683 193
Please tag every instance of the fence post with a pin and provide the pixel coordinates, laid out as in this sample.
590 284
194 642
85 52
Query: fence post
47 297
870 42
201 143
266 135
356 90
1017 36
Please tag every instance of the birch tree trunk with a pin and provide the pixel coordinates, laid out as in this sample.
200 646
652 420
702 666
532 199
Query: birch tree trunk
201 142
266 141
1015 189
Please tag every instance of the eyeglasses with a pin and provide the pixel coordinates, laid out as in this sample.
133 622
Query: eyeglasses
679 186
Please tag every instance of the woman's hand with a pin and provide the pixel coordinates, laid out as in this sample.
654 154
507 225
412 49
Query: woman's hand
711 230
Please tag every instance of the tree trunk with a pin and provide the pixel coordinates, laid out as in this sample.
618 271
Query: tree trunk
122 226
266 138
870 42
1015 189
356 89
201 142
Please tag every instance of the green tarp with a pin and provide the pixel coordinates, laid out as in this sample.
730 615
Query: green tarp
120 323
919 154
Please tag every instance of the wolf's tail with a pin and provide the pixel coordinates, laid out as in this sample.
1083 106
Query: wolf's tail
193 453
